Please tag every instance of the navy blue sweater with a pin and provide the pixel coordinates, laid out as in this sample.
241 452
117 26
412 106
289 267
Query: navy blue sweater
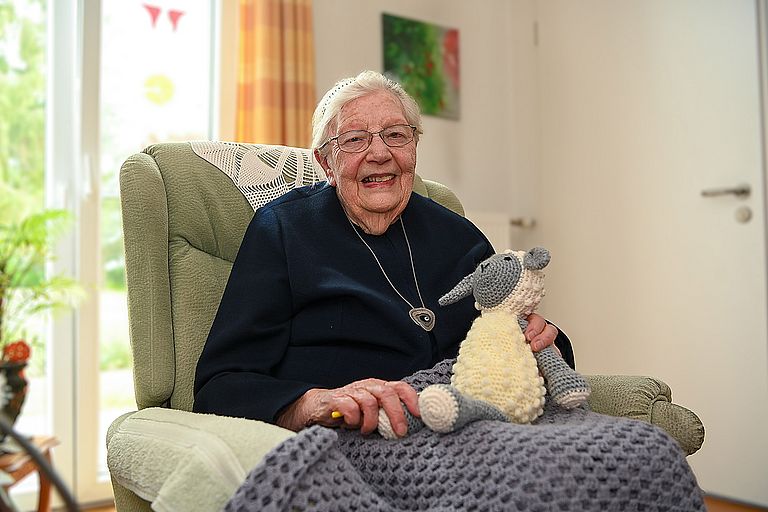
307 306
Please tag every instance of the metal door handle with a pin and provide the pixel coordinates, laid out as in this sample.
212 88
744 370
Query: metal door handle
741 191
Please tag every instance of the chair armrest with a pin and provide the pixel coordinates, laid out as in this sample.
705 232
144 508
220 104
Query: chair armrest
647 399
180 460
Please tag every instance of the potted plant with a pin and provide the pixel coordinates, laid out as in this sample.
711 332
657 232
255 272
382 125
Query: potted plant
26 244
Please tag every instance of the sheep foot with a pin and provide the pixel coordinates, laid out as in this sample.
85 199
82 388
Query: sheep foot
444 409
385 427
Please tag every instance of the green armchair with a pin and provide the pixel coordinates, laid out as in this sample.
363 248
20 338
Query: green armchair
183 222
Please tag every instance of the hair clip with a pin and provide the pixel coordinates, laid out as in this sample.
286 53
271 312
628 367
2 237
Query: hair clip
339 86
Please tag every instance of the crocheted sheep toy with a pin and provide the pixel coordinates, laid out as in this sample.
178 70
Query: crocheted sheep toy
496 375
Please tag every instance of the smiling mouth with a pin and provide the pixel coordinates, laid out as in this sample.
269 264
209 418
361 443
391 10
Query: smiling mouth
379 179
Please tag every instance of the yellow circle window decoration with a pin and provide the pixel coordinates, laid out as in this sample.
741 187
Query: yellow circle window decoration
158 89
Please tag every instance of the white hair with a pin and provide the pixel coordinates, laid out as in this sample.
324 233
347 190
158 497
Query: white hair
348 89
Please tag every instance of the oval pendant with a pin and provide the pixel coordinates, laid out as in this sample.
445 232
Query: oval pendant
423 317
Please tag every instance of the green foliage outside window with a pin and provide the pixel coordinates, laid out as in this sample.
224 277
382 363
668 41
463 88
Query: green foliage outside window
25 289
22 103
22 144
112 251
23 62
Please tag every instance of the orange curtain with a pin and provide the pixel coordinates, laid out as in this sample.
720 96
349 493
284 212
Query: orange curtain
276 77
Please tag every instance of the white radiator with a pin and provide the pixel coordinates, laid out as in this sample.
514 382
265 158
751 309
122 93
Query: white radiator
495 226
503 231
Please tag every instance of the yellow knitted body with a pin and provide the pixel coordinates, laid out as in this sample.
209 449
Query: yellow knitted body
496 365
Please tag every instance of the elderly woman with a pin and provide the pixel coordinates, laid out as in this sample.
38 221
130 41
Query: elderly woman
331 312
348 277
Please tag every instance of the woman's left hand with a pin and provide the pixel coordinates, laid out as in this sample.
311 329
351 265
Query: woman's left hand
539 333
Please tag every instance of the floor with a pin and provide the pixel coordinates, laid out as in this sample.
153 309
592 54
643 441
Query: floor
104 508
719 505
713 505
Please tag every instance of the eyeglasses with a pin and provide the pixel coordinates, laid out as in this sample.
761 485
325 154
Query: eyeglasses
356 141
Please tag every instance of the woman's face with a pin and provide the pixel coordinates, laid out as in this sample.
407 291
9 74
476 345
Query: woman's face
375 183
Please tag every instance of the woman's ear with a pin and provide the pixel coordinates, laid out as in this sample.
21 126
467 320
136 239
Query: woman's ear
323 161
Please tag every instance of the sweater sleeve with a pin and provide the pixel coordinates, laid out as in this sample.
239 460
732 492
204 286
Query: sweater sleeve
250 334
563 343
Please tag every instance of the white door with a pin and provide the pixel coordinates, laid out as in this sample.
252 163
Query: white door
644 104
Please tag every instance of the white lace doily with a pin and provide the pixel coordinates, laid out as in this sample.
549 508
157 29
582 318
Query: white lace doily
261 172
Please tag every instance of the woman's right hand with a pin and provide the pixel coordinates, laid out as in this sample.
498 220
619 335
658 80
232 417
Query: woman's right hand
358 403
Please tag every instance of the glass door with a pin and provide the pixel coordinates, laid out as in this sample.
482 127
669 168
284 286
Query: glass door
23 91
155 85
83 85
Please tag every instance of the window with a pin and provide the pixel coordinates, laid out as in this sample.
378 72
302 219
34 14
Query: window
142 74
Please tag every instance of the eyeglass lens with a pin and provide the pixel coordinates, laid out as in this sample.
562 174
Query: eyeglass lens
358 140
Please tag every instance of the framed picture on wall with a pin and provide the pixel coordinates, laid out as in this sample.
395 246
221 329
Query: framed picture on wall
424 59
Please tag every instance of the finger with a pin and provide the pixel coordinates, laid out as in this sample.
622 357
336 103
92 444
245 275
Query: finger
545 339
367 384
348 408
345 406
536 324
388 399
368 409
404 397
393 408
407 395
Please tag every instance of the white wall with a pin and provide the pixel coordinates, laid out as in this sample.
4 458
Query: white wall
643 105
488 156
613 124
519 149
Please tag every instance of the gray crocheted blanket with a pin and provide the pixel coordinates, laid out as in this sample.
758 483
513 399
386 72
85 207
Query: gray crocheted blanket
573 460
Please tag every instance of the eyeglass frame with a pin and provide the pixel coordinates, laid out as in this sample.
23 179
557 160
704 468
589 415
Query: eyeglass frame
370 138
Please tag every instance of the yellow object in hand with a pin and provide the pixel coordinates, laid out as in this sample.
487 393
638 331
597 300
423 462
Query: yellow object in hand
336 415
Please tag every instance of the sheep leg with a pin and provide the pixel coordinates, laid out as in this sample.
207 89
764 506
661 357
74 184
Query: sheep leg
567 388
444 409
385 427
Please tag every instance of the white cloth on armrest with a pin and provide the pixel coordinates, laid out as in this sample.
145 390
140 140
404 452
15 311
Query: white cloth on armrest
181 461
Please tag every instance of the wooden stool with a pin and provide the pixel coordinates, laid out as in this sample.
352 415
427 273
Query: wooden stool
19 465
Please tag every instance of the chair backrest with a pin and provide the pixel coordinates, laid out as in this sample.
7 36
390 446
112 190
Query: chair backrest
183 221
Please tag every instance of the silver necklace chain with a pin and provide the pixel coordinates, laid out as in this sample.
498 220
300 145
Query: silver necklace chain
423 316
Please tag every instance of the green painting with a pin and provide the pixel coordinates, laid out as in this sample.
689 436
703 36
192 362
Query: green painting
424 59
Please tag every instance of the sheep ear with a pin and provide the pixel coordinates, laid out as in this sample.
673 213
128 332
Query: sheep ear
536 259
461 290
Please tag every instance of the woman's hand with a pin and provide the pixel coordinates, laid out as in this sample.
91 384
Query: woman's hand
539 333
358 403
